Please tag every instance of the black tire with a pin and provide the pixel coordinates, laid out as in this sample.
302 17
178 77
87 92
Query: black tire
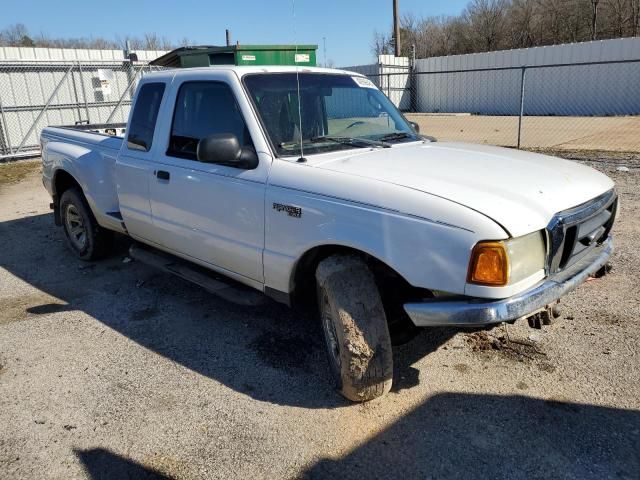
85 238
355 328
603 270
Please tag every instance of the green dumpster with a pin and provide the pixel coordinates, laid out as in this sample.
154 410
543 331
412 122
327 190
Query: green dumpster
205 56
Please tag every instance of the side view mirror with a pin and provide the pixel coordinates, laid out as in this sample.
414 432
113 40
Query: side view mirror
225 149
415 126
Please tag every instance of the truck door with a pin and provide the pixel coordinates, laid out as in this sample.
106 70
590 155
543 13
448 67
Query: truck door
134 164
210 213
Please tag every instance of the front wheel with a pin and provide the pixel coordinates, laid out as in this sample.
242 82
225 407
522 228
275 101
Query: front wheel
85 237
355 328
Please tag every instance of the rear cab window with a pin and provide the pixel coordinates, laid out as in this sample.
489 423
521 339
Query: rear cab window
145 114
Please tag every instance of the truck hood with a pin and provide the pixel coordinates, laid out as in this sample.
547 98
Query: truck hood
519 190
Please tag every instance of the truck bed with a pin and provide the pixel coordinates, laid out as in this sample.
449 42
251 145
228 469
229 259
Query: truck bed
111 129
90 157
106 135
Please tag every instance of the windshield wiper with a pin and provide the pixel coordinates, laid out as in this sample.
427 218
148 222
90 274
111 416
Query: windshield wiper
395 136
364 142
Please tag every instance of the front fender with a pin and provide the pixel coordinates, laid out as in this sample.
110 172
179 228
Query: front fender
427 253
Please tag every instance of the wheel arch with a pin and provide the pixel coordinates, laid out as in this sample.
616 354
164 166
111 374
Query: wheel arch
62 181
395 290
305 268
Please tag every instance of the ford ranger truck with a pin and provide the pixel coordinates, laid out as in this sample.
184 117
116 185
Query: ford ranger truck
309 185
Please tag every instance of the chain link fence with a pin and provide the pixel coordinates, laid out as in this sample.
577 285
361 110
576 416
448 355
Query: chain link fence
577 106
36 94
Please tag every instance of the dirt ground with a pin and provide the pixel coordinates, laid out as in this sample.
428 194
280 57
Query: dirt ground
617 134
113 370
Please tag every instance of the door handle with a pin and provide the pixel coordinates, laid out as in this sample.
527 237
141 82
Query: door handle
162 175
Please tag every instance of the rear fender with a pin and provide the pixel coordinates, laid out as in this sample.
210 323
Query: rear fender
91 169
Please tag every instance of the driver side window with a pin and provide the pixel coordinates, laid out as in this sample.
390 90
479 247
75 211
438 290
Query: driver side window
202 109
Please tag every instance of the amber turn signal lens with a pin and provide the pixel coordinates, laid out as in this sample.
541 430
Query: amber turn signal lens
489 265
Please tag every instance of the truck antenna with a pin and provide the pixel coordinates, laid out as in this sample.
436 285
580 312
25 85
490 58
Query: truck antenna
295 62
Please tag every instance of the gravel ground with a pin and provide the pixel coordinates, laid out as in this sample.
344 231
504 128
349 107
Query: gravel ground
113 370
614 134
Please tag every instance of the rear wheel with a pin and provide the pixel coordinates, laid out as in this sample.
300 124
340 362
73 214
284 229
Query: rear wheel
355 328
84 236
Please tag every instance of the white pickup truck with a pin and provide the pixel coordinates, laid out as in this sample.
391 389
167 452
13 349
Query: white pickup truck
310 186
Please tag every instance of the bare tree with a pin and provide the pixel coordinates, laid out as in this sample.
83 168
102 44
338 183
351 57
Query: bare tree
634 7
486 20
501 24
454 38
381 44
618 17
16 35
152 41
521 20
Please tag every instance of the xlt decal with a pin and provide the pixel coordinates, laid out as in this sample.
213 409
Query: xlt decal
291 210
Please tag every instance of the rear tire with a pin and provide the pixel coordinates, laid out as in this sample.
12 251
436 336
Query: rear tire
355 328
85 238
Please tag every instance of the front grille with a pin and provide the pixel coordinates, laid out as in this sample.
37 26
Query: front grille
572 233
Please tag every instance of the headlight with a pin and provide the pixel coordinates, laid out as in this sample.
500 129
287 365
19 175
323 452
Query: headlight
507 262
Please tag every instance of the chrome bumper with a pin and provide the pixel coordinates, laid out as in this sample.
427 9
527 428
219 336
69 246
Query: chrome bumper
467 311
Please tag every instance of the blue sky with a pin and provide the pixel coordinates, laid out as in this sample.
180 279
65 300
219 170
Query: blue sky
347 25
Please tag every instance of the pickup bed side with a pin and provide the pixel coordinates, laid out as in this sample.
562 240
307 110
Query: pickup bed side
89 159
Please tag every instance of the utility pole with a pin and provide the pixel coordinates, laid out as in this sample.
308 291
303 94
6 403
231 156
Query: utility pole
594 19
228 35
324 50
396 28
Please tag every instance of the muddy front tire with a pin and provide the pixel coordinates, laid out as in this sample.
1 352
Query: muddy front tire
355 328
87 239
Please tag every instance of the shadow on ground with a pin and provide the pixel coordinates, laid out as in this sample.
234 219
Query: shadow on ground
469 436
269 353
102 464
475 436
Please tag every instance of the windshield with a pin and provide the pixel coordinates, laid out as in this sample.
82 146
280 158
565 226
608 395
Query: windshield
338 112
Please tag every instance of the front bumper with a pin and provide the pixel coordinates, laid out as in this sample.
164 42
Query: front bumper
468 312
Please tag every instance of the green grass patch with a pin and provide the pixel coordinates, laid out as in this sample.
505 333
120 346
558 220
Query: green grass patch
14 172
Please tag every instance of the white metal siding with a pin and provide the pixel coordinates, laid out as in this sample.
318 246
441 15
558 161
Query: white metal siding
573 90
29 76
396 86
29 53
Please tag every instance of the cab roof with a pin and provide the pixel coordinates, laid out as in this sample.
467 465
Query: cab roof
240 71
